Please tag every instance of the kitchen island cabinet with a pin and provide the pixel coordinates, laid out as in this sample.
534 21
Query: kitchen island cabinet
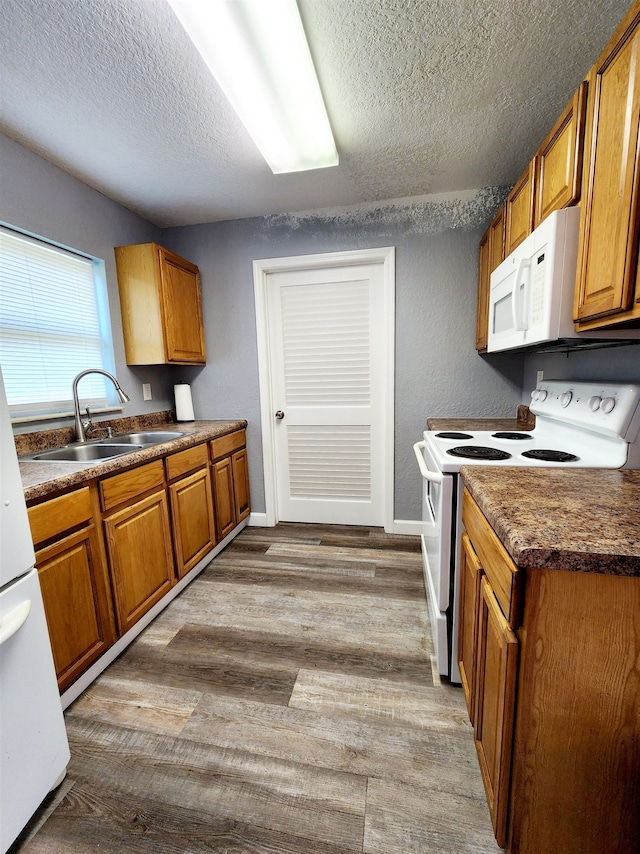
74 582
556 632
608 286
161 306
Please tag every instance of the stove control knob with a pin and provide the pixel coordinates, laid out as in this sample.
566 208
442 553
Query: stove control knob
594 403
542 395
608 404
566 398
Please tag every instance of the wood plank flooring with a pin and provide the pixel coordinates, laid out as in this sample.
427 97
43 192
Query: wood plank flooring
283 704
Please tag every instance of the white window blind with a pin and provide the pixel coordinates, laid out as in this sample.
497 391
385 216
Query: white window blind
53 324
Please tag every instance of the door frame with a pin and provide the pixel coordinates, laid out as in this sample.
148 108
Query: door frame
385 256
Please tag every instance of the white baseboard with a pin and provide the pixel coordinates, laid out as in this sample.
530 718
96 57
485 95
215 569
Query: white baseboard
258 519
407 526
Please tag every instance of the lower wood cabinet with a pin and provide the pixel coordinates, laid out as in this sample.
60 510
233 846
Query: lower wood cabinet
230 481
74 582
191 503
549 665
138 539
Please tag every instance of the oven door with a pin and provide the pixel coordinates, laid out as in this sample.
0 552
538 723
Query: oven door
437 502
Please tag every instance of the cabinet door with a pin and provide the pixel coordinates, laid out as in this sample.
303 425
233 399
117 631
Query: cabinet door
497 233
610 216
240 465
138 541
182 310
225 502
560 159
76 603
496 692
520 208
482 317
470 577
192 519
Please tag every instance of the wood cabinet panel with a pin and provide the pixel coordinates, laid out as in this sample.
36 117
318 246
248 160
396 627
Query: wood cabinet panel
482 316
496 676
186 461
138 539
225 445
161 304
560 159
76 595
49 519
192 519
130 484
240 466
610 215
225 506
520 206
470 578
497 235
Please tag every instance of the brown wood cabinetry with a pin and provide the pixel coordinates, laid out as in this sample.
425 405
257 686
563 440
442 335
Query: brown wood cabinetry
230 481
161 306
74 582
560 160
520 206
191 502
491 255
138 539
552 670
608 288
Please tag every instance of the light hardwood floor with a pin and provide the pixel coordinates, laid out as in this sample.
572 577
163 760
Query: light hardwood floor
284 703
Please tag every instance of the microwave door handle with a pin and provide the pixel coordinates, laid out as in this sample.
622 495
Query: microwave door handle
517 304
435 476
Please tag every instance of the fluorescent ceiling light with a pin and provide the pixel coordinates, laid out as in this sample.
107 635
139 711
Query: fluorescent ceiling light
258 53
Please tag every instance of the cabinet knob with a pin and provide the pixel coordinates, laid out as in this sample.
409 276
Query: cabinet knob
279 415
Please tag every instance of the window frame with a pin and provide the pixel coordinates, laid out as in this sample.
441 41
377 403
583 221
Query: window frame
57 409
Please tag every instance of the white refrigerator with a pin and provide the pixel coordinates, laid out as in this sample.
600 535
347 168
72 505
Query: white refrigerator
34 750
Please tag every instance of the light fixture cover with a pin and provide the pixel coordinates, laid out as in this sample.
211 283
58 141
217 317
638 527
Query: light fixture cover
258 53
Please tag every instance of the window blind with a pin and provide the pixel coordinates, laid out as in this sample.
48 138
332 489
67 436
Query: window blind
50 328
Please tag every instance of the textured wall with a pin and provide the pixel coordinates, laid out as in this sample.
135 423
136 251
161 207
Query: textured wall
617 364
40 198
437 369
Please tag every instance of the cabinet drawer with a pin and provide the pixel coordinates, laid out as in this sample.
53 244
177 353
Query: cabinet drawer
185 461
51 518
501 571
226 445
130 484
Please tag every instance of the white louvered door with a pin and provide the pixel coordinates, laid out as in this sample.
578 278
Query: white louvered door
326 328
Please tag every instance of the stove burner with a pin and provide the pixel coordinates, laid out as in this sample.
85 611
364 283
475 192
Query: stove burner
452 435
550 456
478 452
514 436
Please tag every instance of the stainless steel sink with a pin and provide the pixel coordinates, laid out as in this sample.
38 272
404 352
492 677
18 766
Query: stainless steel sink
86 453
143 438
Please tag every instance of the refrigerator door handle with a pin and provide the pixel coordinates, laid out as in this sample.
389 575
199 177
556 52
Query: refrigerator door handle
14 620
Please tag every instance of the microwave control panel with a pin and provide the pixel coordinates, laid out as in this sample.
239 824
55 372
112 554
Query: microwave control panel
537 307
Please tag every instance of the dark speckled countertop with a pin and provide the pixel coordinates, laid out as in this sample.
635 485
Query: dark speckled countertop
576 519
42 478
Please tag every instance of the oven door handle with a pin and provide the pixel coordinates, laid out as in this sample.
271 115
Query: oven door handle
434 476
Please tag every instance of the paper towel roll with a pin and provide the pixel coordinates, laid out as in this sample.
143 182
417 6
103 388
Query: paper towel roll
184 404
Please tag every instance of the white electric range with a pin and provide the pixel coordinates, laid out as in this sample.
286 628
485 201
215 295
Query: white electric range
578 424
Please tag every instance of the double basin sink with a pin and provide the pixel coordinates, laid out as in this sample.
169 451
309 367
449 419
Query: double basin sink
104 449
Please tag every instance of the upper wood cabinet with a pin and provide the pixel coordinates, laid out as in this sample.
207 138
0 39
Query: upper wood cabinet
607 287
491 255
161 306
520 206
560 160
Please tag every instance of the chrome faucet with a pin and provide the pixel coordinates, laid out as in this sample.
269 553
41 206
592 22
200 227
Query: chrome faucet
80 427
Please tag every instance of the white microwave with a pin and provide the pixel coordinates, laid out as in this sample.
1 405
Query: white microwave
531 295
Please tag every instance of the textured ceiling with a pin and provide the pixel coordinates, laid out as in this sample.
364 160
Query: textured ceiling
424 96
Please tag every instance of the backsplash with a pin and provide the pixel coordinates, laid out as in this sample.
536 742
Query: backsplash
44 440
